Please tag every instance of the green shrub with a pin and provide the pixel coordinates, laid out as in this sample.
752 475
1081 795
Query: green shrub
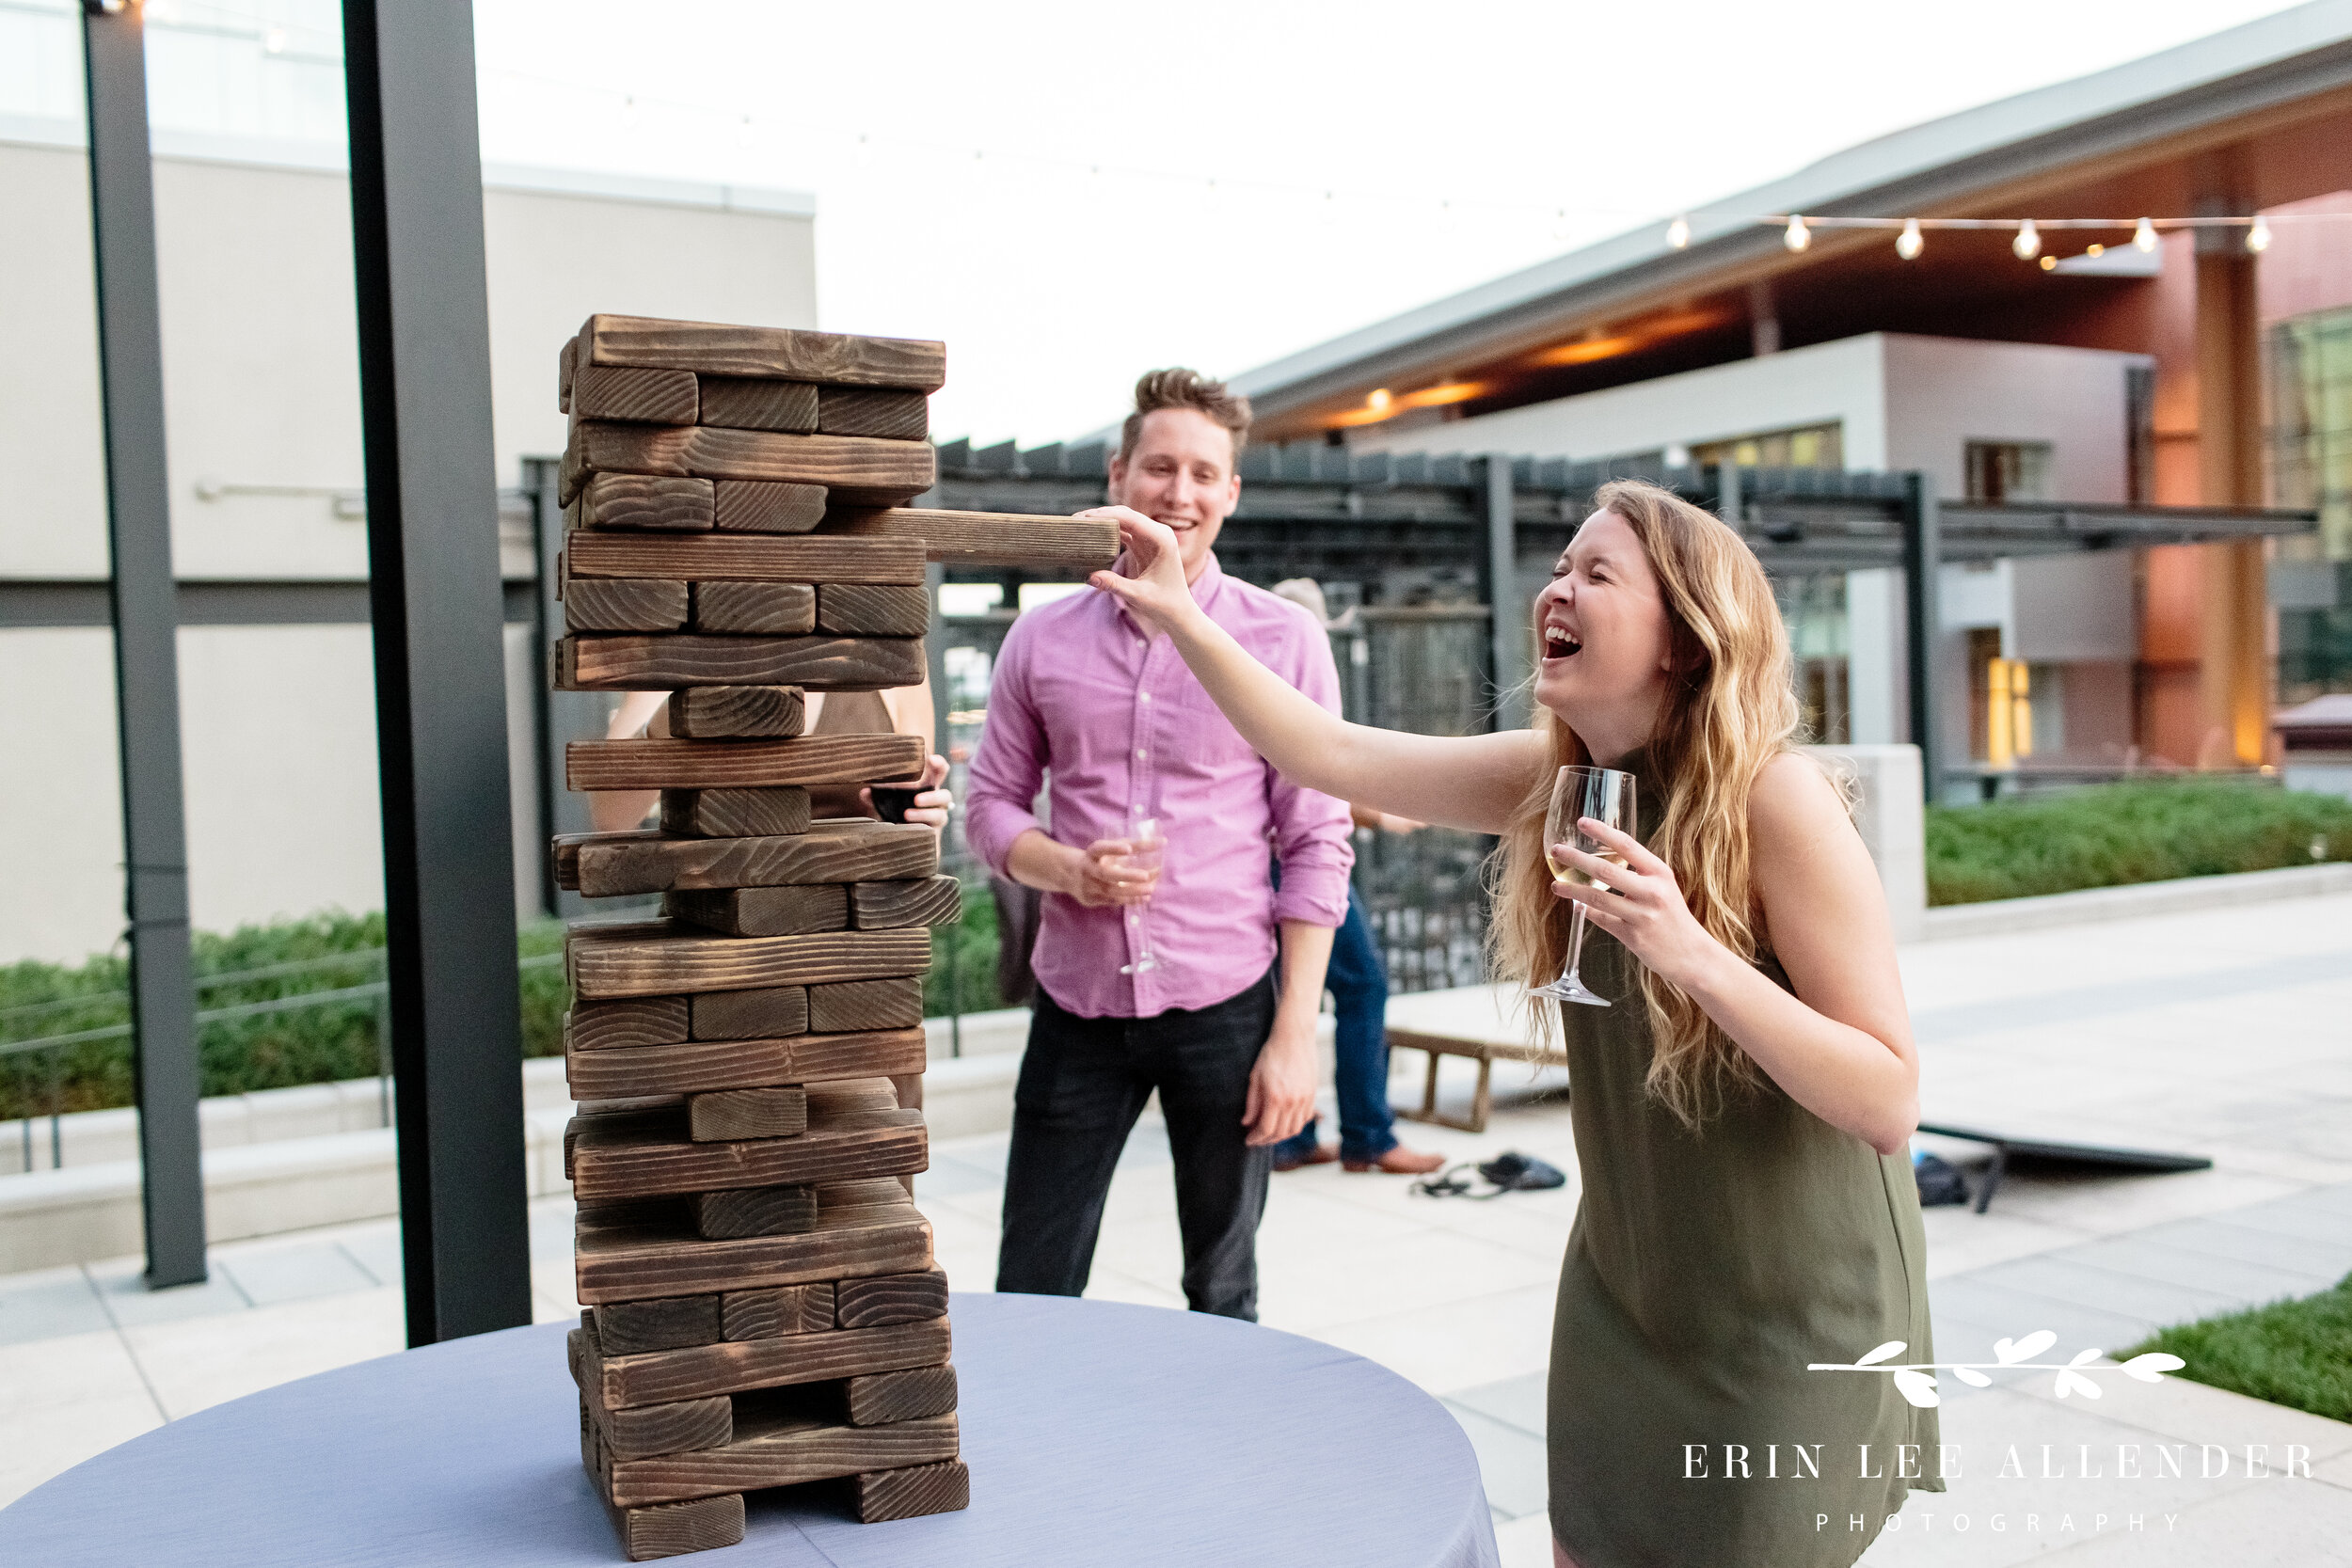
2140 831
2292 1352
963 959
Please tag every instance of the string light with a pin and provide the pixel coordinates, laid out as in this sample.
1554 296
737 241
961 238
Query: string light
2028 245
2258 237
1910 242
274 41
2144 237
1797 236
1379 401
1677 233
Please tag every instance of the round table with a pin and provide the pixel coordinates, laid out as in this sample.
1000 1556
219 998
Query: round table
1095 1431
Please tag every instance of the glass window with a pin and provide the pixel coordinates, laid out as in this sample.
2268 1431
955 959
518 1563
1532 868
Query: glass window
1812 445
2008 470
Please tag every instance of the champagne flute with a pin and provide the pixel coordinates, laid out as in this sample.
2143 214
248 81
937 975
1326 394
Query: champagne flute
1149 854
1606 795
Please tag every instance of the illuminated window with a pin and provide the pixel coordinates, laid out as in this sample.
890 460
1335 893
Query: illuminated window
1812 445
2009 471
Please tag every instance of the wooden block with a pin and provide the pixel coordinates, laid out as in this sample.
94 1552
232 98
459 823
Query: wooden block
909 1396
700 1067
893 414
757 609
670 1530
639 1020
643 1165
769 506
635 1250
759 402
719 712
651 1428
894 1004
737 1366
669 962
855 470
747 558
754 1212
984 538
666 1323
785 1310
873 610
649 1111
763 813
838 849
653 762
625 604
911 1492
749 1015
624 663
785 352
770 912
780 1111
642 396
924 901
787 1453
645 502
896 1298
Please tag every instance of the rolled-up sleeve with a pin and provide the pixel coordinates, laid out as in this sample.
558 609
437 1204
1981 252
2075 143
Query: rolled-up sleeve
1310 829
1009 767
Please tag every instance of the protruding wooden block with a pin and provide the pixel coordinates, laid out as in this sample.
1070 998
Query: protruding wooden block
761 812
668 1322
769 1013
645 502
909 1396
670 1530
622 663
911 1492
641 1165
714 348
769 506
899 1298
898 416
873 610
749 557
759 402
626 603
836 849
893 1004
785 1309
983 538
768 911
667 961
780 1111
755 609
654 763
722 712
642 396
637 1250
722 1217
853 468
922 901
565 362
701 1066
637 1021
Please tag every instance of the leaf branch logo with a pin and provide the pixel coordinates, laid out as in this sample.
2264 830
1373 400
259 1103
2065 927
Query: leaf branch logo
1914 1381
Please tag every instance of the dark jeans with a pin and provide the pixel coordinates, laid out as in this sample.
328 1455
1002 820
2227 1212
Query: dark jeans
1360 990
1083 1083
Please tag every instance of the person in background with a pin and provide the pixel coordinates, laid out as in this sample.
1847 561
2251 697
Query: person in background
1358 983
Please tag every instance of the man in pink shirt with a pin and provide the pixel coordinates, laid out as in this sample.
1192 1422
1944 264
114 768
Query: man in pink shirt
1084 695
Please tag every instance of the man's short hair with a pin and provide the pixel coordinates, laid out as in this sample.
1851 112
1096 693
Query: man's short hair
1179 388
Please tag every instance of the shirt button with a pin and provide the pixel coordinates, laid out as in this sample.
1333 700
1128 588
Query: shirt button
1131 919
1143 697
1141 753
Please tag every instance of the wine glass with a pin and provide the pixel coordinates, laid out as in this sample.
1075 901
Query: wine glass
1148 855
1606 795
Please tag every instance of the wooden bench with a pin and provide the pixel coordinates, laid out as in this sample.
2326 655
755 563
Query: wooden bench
1484 1024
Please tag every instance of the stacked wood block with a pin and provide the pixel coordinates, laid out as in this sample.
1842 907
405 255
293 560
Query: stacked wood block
763 1307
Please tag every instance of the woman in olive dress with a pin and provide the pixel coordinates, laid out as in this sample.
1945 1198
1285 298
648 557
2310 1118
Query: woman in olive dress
1742 1110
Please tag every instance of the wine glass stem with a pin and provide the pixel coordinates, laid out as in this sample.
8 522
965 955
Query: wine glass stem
1575 944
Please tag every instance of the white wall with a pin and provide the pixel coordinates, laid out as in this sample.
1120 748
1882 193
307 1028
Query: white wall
1944 392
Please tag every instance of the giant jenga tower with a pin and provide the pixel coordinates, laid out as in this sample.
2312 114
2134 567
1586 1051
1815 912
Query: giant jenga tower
763 1309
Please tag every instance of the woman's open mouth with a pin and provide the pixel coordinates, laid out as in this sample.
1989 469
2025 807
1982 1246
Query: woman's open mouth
1559 644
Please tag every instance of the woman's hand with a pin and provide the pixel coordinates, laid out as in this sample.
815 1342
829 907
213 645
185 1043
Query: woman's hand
933 805
1149 577
1642 904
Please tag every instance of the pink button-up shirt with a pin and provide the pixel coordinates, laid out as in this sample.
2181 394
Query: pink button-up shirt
1120 724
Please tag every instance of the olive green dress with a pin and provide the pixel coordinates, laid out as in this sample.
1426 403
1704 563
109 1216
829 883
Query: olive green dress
1705 1270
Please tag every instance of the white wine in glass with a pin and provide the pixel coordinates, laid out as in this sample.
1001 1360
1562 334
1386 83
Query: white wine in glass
1606 795
1149 854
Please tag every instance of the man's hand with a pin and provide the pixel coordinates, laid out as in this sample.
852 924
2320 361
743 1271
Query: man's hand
1282 1085
1100 877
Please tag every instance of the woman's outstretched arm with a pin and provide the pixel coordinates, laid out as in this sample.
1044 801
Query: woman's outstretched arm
1475 783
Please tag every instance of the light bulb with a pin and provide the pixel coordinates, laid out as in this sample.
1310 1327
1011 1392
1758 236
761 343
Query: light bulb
274 41
2144 237
1910 242
1379 401
1679 234
2028 245
1797 235
2258 237
2049 263
2095 250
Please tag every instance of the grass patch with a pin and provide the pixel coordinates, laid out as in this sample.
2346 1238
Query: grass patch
2142 832
2297 1353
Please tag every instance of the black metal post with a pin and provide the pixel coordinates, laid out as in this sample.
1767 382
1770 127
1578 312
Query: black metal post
434 597
1923 552
147 660
1498 575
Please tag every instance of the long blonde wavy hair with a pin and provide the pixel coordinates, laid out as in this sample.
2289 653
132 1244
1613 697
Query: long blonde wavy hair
1732 711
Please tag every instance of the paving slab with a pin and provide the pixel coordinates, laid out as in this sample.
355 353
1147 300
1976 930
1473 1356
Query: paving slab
49 1304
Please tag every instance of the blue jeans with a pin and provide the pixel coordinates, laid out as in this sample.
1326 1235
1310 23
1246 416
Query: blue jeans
1360 986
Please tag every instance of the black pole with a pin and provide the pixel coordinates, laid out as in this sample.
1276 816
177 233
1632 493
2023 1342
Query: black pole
1498 566
1923 552
147 660
435 595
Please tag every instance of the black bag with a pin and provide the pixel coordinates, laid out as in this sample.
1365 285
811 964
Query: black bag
1510 1173
1940 1181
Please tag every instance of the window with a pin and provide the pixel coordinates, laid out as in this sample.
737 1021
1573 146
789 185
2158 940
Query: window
1812 445
2009 471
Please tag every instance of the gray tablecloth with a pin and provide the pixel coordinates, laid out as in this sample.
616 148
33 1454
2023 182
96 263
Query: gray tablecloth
1096 1433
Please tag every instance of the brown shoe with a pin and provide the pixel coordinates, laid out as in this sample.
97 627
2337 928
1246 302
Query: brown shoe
1400 1161
1323 1155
